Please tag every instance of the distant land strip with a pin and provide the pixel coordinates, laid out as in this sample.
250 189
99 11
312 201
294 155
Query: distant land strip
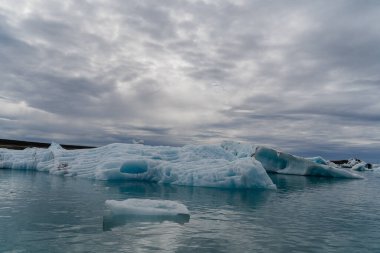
15 144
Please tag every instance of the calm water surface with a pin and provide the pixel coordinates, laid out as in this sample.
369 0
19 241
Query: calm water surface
45 213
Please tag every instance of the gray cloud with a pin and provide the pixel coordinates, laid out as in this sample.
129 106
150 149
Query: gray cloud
302 76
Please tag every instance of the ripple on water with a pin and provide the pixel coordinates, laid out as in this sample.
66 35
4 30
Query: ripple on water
39 211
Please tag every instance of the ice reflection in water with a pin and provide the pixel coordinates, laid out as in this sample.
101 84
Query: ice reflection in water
111 221
43 213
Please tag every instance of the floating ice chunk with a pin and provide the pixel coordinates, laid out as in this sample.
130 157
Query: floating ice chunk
361 166
279 162
146 207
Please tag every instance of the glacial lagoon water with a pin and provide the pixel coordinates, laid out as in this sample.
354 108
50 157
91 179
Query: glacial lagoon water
46 213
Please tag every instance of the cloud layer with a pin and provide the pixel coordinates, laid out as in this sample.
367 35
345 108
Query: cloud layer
299 75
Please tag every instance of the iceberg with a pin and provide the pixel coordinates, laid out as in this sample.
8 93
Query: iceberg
230 165
223 166
283 163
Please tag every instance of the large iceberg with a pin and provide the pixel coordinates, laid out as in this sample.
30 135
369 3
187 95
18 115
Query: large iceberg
203 165
283 163
230 165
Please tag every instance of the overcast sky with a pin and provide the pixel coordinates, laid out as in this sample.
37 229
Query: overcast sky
302 76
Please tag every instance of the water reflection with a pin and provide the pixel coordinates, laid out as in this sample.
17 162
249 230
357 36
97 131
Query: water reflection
296 182
111 221
198 197
305 214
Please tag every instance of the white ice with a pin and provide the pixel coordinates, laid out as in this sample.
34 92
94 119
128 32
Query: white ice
229 165
146 207
360 166
283 163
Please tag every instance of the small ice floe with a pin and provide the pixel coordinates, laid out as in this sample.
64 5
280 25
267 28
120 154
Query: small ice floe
122 212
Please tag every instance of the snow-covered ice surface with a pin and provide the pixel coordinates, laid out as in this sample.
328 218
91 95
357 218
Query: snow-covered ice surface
283 163
229 165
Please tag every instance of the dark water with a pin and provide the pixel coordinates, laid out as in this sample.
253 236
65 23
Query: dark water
44 213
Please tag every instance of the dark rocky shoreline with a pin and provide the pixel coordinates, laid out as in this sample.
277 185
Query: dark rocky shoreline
16 144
